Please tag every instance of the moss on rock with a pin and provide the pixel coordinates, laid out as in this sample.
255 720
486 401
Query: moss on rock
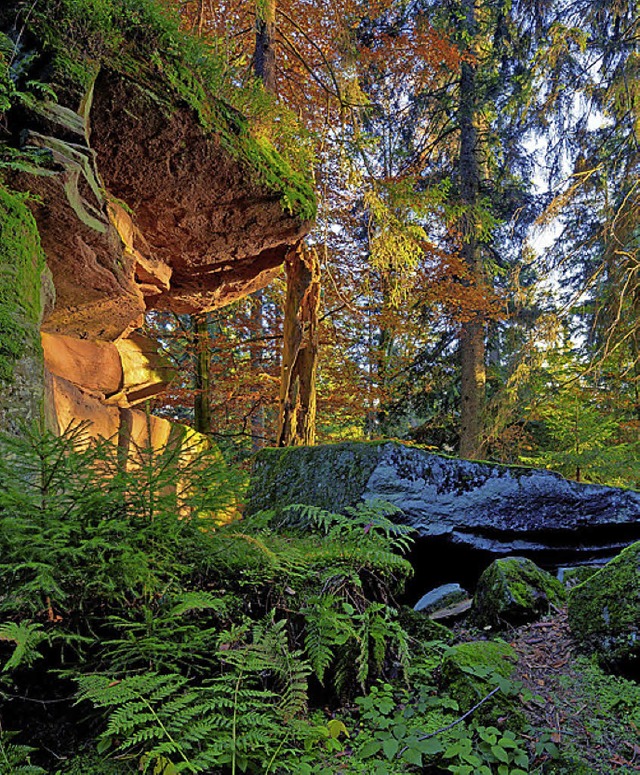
21 267
72 40
423 629
604 611
514 591
330 476
21 272
470 671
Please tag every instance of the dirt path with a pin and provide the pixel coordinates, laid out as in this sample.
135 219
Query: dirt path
591 718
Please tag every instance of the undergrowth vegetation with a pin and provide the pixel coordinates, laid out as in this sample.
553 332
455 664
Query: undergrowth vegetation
142 632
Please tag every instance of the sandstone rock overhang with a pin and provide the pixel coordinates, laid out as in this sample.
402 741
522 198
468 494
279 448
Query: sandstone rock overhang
149 189
488 507
198 211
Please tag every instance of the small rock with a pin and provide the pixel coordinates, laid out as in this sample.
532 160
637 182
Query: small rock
515 591
441 597
455 611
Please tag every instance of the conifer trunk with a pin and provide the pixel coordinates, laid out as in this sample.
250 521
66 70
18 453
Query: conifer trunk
297 411
472 338
300 349
264 67
265 52
202 380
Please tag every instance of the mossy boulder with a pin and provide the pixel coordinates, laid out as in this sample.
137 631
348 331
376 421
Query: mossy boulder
470 671
604 611
331 476
485 507
421 628
514 590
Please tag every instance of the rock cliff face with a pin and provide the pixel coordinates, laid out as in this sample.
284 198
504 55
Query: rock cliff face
138 204
482 508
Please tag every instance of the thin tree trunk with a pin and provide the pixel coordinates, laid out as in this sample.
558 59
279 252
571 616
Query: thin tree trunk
472 338
202 381
264 67
265 54
300 349
258 425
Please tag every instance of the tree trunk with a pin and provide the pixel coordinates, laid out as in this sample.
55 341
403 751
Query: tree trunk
300 349
472 337
264 64
202 344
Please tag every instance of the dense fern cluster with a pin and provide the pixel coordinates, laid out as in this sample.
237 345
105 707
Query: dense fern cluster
143 630
180 643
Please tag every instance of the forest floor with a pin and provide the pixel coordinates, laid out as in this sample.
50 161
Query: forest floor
592 717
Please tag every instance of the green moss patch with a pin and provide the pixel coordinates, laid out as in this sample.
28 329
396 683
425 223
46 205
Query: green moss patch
604 611
470 671
514 591
421 628
21 266
330 476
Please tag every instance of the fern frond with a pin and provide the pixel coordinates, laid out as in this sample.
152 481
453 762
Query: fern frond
14 758
27 637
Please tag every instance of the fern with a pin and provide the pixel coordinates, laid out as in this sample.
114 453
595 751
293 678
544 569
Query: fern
167 633
328 625
357 644
27 637
165 720
270 655
380 637
14 758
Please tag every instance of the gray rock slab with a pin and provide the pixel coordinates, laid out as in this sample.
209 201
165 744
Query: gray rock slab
501 509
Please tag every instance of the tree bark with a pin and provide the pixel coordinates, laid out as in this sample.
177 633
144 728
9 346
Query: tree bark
202 380
472 337
264 64
264 67
258 424
300 349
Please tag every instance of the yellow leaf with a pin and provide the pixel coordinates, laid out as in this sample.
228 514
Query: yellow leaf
336 728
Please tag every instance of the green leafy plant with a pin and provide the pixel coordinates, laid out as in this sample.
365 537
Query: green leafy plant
168 722
26 636
15 758
485 751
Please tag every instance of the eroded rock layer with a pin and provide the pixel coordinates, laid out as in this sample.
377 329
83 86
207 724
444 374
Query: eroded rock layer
198 210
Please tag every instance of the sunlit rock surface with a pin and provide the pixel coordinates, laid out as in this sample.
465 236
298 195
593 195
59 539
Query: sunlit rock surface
136 210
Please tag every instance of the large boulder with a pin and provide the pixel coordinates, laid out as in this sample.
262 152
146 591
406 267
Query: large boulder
604 611
514 590
488 507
